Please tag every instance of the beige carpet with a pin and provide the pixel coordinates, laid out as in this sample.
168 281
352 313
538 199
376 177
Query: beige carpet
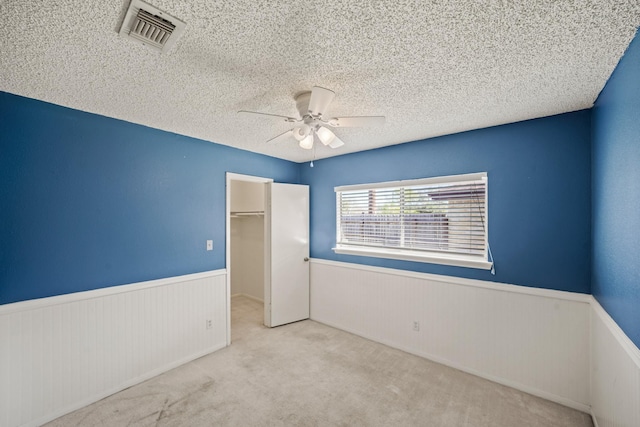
309 374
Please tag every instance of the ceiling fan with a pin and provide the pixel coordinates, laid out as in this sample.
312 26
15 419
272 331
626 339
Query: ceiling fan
312 107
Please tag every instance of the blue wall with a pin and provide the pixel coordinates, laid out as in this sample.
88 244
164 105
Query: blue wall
539 196
90 202
616 194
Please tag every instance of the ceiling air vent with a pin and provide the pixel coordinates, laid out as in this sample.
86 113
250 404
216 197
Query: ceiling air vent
150 26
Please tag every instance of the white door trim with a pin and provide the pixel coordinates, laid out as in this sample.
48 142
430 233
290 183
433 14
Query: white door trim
233 177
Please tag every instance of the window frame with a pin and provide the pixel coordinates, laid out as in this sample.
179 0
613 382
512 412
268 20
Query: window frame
426 256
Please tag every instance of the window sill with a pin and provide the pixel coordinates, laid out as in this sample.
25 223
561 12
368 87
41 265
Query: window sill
429 257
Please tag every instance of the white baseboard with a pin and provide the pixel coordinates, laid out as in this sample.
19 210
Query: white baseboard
89 400
247 296
534 340
65 352
446 362
253 298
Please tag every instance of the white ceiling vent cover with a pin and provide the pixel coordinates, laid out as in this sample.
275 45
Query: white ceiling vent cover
150 26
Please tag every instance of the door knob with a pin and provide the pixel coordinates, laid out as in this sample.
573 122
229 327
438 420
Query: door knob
306 259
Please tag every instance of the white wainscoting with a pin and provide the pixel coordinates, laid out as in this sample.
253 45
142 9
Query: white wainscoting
535 340
615 373
61 353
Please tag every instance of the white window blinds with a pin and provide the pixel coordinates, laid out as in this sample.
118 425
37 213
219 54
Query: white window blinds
444 215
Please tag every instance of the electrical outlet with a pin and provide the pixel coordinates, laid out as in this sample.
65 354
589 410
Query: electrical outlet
209 245
416 325
209 324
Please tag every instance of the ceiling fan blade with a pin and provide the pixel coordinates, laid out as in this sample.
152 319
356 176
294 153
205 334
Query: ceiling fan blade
356 122
320 100
283 136
337 142
286 118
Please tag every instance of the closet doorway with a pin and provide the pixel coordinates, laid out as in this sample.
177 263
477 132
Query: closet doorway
267 247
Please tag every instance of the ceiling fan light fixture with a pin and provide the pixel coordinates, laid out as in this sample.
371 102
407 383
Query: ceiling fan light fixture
336 143
302 132
325 135
307 142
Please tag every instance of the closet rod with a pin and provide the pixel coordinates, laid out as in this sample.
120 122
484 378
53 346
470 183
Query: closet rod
240 214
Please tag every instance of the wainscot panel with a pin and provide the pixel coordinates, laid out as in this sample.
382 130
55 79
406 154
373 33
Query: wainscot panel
615 373
534 340
61 353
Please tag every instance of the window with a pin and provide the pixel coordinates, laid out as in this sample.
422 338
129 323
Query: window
440 220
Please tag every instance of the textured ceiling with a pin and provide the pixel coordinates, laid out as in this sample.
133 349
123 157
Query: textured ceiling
431 67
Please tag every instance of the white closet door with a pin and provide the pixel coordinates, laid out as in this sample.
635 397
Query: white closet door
287 260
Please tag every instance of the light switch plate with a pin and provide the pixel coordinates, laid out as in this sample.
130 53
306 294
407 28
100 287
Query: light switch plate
209 245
